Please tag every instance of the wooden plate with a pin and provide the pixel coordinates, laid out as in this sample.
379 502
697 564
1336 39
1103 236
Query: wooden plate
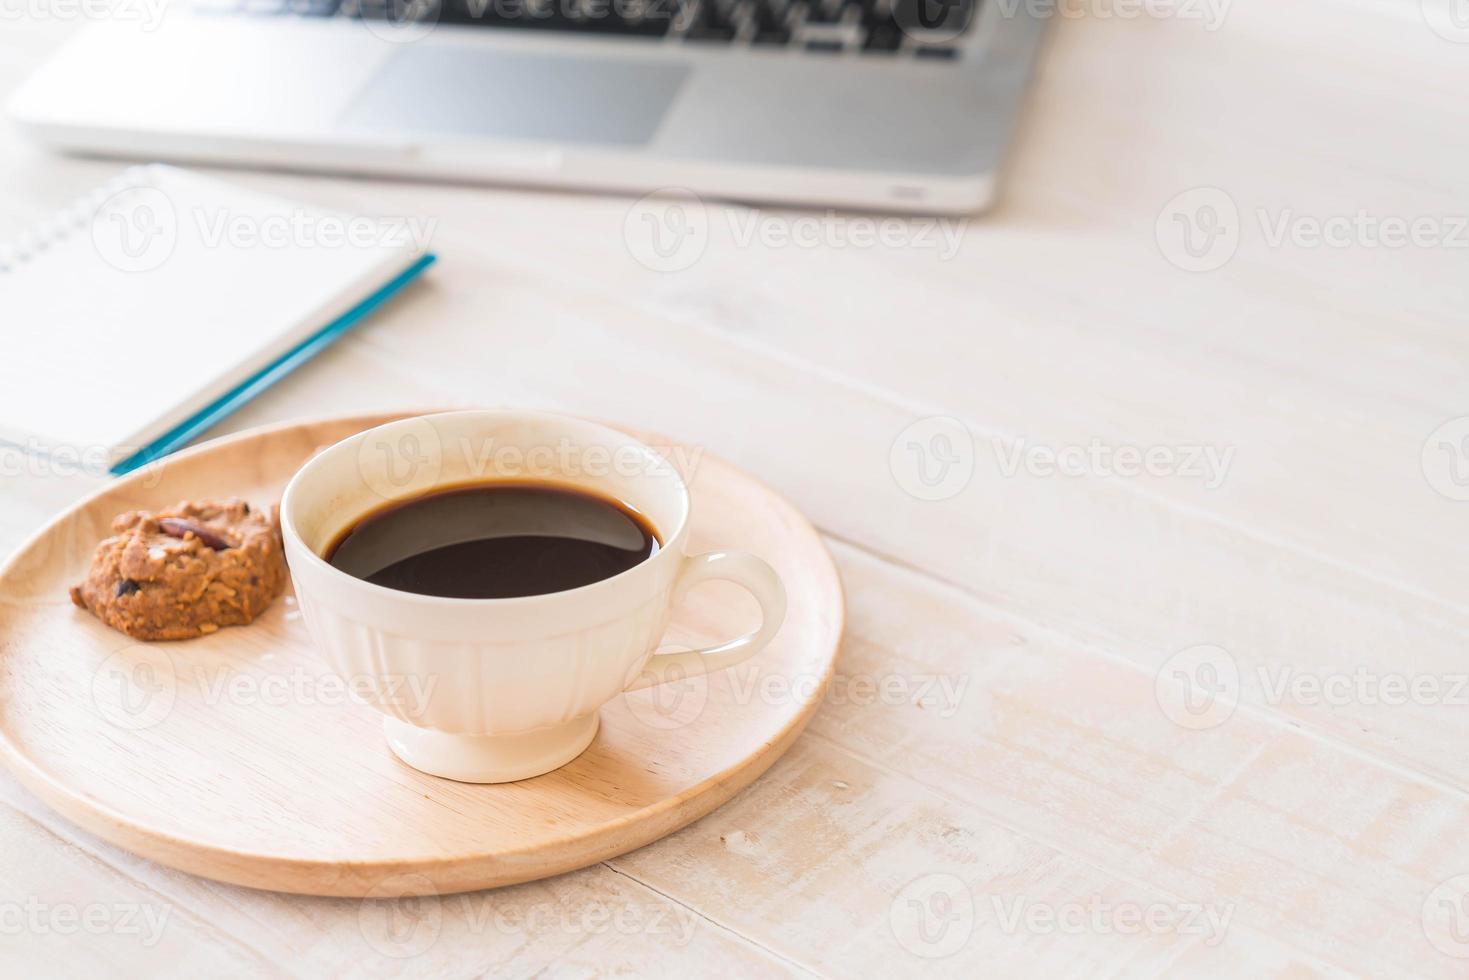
237 756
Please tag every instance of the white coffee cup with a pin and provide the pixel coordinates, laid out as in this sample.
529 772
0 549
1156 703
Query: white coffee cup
493 690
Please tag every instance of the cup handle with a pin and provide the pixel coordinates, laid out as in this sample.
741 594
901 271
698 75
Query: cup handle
757 578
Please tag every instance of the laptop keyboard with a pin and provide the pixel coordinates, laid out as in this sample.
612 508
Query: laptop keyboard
827 27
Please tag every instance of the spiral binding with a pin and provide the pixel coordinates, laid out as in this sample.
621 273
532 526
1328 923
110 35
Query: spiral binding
71 219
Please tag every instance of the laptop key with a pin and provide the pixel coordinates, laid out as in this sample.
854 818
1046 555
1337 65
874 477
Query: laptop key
370 9
771 18
652 19
313 8
710 32
214 6
883 37
822 26
947 18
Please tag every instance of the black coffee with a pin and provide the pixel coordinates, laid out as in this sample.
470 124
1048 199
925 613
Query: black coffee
495 541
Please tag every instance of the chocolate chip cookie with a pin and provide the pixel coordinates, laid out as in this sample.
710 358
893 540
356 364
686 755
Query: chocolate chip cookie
185 571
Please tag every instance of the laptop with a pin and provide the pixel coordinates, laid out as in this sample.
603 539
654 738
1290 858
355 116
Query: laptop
899 105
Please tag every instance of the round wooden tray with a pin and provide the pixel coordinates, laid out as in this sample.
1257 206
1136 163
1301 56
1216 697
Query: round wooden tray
237 756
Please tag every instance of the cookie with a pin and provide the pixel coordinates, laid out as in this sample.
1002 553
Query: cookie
185 571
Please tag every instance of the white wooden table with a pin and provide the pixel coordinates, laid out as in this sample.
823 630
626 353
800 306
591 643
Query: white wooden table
1008 777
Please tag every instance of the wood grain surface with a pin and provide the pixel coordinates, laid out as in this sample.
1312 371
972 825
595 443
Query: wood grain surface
241 757
1330 831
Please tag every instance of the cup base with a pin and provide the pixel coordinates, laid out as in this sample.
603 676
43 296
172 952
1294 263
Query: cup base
490 758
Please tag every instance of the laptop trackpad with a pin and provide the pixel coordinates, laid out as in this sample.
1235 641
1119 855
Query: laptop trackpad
489 92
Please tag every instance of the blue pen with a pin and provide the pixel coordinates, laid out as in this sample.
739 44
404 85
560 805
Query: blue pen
181 434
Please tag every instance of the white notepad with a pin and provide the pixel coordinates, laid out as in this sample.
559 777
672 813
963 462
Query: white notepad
164 299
